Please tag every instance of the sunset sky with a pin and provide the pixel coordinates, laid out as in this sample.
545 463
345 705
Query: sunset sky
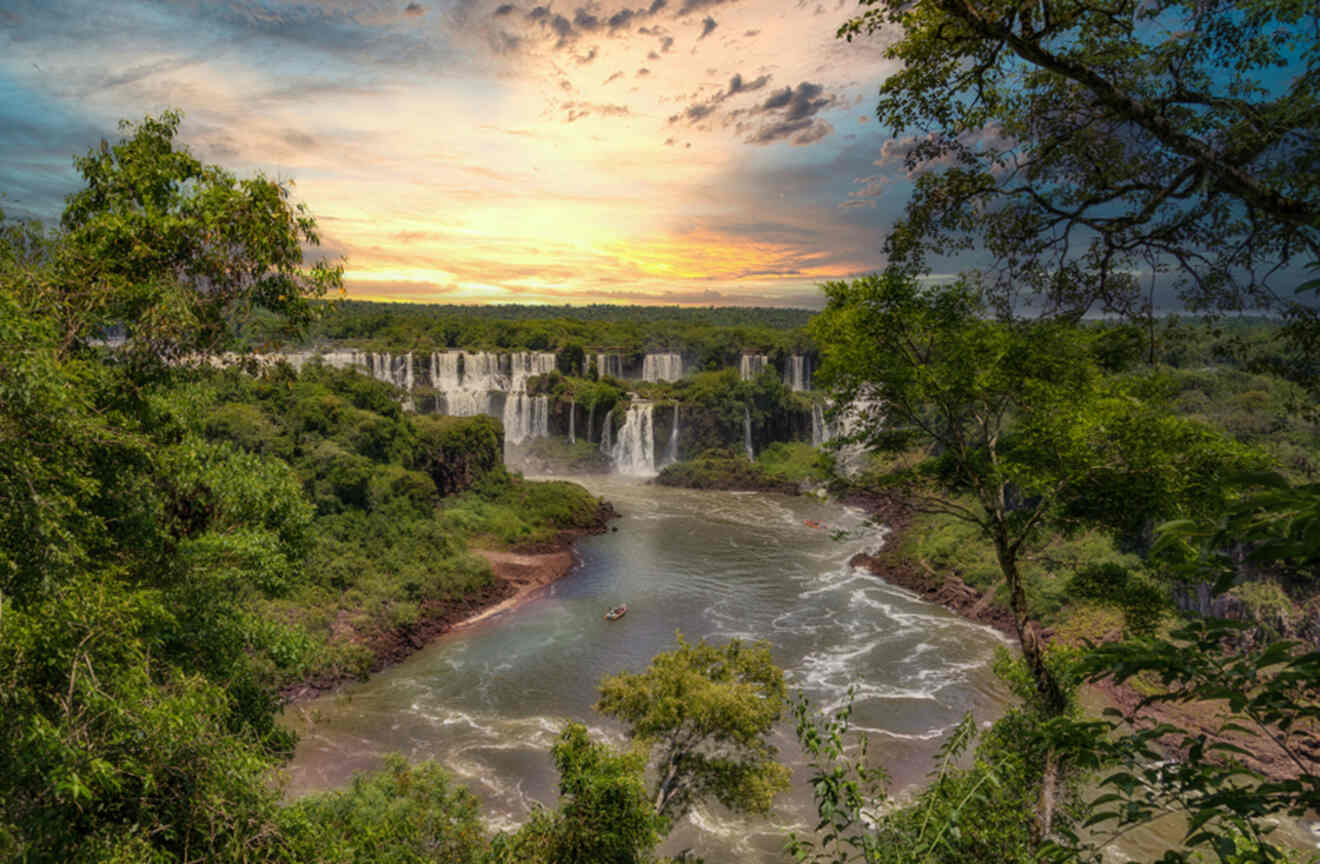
645 151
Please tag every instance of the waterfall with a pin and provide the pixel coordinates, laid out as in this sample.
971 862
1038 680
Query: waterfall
525 417
525 364
820 429
751 366
635 451
662 367
609 364
606 433
797 375
572 419
591 420
747 434
672 457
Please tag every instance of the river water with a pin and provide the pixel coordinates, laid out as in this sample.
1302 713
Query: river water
488 701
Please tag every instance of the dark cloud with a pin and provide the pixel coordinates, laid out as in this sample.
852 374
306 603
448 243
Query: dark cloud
690 6
414 9
707 27
643 72
621 19
538 13
651 55
738 85
584 20
656 6
801 102
694 113
504 9
794 110
666 42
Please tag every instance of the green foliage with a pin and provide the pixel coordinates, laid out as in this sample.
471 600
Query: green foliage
706 714
180 253
723 469
1268 690
971 810
1016 114
796 462
1142 602
400 815
1023 431
714 336
605 815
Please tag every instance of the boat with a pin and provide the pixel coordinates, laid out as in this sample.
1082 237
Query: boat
812 523
617 612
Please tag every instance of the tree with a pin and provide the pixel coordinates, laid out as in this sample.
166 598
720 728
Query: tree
1019 431
178 252
605 814
1082 142
706 714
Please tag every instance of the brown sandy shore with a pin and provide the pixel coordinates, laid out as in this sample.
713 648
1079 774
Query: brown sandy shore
519 575
948 590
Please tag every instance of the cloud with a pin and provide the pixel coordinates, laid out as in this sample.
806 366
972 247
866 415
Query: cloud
621 19
504 9
578 110
414 9
584 20
708 26
794 110
699 111
738 85
690 6
615 77
643 72
584 59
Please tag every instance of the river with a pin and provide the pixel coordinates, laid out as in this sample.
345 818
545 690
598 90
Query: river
487 701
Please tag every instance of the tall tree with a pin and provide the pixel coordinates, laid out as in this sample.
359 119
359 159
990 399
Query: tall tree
706 713
1084 141
179 253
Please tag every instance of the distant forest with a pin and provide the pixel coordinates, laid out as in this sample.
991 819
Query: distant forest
710 331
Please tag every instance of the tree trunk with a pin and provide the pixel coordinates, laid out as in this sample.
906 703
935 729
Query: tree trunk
1028 632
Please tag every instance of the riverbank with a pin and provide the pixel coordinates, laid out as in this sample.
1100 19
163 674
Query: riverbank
948 589
518 574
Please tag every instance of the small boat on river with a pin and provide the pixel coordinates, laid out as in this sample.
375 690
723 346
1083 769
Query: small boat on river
617 612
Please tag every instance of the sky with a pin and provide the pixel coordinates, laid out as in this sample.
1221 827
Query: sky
494 151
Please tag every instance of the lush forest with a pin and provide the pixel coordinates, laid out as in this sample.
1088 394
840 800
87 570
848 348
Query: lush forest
1132 498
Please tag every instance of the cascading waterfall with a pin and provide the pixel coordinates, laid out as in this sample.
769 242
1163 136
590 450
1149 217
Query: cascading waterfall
591 420
797 374
606 433
635 451
525 417
662 367
820 428
572 419
609 364
747 434
672 457
751 366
